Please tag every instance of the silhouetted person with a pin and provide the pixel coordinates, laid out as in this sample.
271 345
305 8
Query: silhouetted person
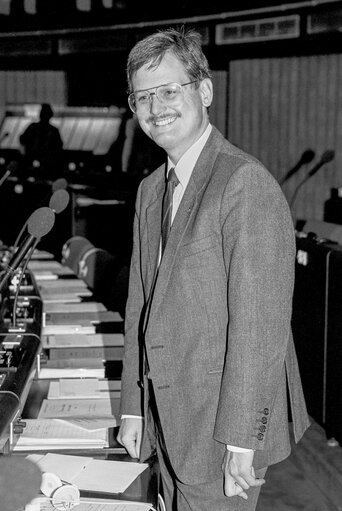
43 146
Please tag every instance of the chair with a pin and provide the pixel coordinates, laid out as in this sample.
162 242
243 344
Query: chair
107 276
72 251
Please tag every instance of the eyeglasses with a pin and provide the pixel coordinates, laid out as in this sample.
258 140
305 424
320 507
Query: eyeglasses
170 94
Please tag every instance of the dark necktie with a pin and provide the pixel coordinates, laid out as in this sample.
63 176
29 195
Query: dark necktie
172 182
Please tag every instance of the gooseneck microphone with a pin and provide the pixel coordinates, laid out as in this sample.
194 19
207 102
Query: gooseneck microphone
39 224
60 184
306 157
326 157
59 201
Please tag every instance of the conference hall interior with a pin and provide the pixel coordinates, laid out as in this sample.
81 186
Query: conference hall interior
66 216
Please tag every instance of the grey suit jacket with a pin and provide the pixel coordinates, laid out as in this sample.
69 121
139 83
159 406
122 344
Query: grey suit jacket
217 326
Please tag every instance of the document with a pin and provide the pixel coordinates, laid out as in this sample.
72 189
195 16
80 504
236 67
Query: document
83 408
66 284
52 373
82 340
91 474
61 298
72 388
48 265
74 307
91 504
42 434
61 290
45 276
64 329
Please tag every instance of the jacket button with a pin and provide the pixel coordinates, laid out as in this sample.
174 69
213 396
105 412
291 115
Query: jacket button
264 420
266 411
262 429
260 436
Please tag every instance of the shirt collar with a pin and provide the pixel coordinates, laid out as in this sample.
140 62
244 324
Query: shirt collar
188 161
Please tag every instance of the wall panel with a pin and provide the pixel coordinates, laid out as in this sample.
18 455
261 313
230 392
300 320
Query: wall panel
39 86
278 108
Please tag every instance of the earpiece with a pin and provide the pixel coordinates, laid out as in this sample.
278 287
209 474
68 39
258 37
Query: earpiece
63 496
50 483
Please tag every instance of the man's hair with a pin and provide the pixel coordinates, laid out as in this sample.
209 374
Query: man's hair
183 44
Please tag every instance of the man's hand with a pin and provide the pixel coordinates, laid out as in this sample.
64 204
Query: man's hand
239 473
130 435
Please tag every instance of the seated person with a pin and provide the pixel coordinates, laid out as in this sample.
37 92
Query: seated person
42 144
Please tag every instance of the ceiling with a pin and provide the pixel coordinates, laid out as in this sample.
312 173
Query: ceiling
33 15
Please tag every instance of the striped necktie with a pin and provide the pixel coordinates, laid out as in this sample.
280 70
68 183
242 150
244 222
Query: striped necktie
172 182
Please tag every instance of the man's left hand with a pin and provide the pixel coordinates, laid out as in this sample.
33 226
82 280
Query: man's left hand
239 473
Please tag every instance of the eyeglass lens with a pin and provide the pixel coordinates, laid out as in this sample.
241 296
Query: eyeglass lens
167 94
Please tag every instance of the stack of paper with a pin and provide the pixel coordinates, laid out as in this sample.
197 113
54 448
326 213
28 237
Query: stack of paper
85 388
53 373
91 408
46 434
78 346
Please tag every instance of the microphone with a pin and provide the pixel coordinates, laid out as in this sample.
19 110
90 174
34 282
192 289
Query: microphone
306 157
59 201
39 224
326 157
59 184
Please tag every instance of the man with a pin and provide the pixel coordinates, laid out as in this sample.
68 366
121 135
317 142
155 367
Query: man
208 345
43 146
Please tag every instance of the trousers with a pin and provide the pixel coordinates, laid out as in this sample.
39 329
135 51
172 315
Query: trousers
207 496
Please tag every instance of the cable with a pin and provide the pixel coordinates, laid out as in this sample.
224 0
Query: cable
161 503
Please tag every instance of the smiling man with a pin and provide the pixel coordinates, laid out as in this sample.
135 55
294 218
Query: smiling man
208 344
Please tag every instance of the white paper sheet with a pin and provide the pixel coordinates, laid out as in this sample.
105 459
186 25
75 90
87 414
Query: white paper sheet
87 408
92 474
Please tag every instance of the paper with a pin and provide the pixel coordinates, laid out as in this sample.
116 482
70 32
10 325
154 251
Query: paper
45 276
92 424
84 388
61 298
91 474
74 307
68 329
91 504
47 265
51 373
47 292
87 408
66 284
78 340
83 318
44 433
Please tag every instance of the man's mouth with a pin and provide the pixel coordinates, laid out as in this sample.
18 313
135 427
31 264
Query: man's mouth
165 120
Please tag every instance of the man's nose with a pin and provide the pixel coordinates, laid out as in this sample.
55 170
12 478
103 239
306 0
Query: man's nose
155 104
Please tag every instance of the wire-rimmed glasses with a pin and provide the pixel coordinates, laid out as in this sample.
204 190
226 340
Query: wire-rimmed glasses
169 94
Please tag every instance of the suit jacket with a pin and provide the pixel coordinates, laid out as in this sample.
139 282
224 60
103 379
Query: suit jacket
216 327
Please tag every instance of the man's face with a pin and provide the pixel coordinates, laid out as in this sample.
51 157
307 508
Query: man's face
174 129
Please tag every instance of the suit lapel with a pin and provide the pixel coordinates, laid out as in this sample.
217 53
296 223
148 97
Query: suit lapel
187 209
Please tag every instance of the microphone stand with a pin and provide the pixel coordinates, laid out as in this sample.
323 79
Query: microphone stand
22 273
297 190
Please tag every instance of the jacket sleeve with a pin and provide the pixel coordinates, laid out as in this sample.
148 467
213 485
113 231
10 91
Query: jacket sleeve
130 391
259 250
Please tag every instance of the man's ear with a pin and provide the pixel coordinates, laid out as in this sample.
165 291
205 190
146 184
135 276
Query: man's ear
206 91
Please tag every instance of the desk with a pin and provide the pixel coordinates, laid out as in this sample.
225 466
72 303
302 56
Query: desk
145 487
